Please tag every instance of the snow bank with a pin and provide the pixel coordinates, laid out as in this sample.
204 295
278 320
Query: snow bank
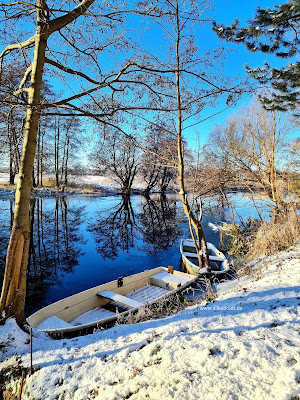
243 346
94 180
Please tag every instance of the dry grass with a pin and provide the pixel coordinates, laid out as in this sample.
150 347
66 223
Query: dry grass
7 186
273 237
162 308
85 188
50 182
260 239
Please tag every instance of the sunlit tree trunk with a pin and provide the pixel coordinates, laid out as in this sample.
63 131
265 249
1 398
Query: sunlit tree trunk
12 299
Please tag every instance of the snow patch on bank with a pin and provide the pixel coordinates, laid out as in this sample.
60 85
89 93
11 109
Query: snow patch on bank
245 345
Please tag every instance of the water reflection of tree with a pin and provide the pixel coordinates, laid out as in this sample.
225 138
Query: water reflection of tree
119 228
55 246
159 224
6 225
115 229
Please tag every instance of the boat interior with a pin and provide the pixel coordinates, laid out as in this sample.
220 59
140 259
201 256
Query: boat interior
190 252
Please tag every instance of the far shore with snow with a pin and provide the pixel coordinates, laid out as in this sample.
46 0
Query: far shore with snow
243 346
85 181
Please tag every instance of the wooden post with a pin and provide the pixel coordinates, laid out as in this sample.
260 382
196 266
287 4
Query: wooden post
30 351
22 384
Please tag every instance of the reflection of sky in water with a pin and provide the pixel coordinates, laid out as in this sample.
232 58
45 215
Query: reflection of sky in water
89 227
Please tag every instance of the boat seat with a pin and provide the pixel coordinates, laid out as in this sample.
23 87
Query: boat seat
216 258
119 299
191 255
165 280
212 258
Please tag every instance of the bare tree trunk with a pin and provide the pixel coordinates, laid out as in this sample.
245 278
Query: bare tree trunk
56 154
56 232
66 162
13 148
13 294
42 165
165 180
33 178
31 252
38 157
195 225
11 164
11 209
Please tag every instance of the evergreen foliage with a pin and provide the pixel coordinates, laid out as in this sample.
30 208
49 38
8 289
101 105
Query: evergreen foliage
272 31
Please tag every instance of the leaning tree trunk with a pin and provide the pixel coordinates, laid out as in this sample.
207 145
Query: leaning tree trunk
13 294
194 224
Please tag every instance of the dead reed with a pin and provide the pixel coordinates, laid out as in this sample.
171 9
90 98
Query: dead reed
274 237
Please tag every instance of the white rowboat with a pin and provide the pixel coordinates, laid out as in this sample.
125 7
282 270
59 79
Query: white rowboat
104 303
218 262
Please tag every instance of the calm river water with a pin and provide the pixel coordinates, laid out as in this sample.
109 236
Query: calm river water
79 242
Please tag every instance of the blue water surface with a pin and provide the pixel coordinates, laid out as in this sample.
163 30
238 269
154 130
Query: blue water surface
79 242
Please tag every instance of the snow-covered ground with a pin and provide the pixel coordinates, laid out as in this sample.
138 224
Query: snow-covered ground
245 345
104 182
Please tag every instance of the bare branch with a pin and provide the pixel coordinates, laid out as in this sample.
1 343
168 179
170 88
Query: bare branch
86 92
23 3
70 71
16 93
152 123
180 70
213 115
25 77
15 46
60 22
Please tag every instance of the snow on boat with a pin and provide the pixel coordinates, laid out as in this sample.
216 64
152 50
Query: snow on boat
218 262
104 303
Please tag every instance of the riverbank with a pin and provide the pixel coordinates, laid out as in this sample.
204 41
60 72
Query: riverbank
245 345
93 185
84 185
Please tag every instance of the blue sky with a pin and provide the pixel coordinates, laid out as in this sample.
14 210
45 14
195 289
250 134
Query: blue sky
226 11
